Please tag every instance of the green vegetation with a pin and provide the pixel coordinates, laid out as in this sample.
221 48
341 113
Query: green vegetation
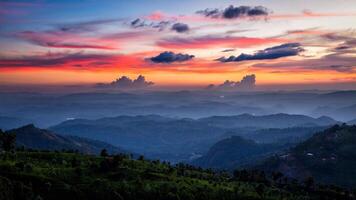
69 175
60 175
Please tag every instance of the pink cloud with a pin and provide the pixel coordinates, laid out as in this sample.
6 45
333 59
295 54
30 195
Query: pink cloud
310 14
63 40
77 61
157 16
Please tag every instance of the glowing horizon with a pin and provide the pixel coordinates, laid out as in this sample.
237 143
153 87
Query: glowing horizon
185 43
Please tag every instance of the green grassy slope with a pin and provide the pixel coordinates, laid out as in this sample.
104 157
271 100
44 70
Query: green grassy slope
56 175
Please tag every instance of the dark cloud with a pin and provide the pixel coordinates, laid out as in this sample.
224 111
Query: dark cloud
213 13
137 23
339 59
340 62
125 82
86 26
342 47
140 23
346 40
248 82
284 50
180 27
227 50
169 57
161 25
347 45
339 68
233 12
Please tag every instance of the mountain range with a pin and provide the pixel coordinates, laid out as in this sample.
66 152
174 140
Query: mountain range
180 139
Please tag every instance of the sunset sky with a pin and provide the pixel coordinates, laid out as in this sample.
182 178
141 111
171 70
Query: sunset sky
178 43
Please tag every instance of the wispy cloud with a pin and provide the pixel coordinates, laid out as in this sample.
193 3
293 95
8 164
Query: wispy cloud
214 41
58 39
78 60
333 62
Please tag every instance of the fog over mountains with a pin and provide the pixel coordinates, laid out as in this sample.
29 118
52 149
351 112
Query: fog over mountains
45 110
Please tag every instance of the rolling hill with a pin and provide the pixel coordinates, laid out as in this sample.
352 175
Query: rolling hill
31 137
329 156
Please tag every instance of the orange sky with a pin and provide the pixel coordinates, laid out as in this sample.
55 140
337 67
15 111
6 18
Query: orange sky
298 44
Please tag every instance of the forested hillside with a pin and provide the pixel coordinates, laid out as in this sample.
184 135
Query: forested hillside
329 157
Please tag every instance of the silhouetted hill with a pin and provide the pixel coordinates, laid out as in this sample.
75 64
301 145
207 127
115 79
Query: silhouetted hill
329 156
235 152
34 138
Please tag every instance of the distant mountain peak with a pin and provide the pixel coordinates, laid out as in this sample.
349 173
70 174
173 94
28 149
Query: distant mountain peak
29 136
29 126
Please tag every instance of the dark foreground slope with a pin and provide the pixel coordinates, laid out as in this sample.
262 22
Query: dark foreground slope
31 137
329 156
69 176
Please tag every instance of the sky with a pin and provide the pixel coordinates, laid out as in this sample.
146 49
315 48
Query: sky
300 43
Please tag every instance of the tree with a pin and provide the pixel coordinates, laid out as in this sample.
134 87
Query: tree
104 153
276 176
309 183
141 158
260 189
7 141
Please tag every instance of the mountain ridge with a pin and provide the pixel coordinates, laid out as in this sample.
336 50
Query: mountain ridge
31 137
